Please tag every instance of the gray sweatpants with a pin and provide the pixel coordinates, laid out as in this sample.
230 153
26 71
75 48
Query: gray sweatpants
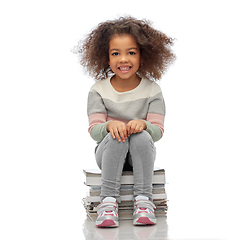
139 151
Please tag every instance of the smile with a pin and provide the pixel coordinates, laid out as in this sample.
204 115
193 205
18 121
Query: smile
124 68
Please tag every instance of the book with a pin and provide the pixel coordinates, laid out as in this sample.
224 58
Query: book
93 176
127 189
125 208
124 197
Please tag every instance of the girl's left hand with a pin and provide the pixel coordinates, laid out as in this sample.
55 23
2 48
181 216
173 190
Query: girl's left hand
136 126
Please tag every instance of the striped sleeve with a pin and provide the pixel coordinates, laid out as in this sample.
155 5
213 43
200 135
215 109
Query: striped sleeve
156 115
97 116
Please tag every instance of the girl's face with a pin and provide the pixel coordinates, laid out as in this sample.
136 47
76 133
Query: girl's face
124 56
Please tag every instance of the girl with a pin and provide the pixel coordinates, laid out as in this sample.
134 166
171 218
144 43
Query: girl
126 109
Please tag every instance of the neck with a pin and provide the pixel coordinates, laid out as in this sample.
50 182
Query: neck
123 85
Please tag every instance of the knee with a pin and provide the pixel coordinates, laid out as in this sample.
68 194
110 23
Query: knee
108 140
142 137
143 144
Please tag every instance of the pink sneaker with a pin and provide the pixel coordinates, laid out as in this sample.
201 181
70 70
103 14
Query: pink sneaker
143 211
107 213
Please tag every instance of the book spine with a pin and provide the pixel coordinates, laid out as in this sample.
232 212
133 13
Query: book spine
157 179
125 197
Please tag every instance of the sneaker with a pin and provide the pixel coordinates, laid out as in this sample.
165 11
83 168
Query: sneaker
143 211
107 213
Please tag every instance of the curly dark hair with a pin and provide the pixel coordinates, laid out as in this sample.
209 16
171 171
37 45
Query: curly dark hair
155 48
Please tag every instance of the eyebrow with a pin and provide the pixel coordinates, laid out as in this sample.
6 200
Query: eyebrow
115 49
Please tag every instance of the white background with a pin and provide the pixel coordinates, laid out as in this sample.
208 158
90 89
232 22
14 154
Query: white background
44 143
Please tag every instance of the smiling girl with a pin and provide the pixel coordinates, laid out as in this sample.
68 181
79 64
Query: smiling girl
126 109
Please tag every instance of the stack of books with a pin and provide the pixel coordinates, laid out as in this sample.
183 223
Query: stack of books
125 208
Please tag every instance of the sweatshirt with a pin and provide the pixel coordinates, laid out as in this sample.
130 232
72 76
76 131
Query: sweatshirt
143 102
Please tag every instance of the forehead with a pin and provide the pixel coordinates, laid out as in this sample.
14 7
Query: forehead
124 41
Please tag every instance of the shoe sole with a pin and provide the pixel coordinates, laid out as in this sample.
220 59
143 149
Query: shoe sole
107 223
144 221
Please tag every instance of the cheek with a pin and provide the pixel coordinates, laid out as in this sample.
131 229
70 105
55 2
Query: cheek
112 62
137 62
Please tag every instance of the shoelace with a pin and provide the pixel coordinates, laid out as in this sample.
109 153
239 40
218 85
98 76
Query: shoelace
141 203
107 206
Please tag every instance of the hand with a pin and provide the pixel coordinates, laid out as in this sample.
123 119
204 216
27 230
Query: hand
136 126
116 128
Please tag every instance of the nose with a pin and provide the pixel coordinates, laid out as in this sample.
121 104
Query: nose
123 58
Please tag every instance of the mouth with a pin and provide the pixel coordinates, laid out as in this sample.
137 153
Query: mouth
124 68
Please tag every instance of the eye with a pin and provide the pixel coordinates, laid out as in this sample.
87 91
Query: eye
115 54
131 53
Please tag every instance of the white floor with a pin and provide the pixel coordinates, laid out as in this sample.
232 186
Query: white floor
127 231
166 228
186 220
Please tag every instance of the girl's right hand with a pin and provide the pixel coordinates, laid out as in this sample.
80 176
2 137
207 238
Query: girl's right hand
117 128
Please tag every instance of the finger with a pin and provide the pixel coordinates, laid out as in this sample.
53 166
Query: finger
112 133
133 127
128 129
117 135
123 133
137 129
122 136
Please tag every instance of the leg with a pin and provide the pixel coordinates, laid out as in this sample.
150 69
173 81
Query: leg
110 156
143 153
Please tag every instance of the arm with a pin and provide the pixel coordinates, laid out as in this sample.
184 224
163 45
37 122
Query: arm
98 124
117 129
97 116
139 125
155 116
154 131
99 131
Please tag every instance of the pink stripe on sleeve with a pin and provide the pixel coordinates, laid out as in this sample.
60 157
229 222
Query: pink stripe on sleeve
117 119
156 119
95 119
